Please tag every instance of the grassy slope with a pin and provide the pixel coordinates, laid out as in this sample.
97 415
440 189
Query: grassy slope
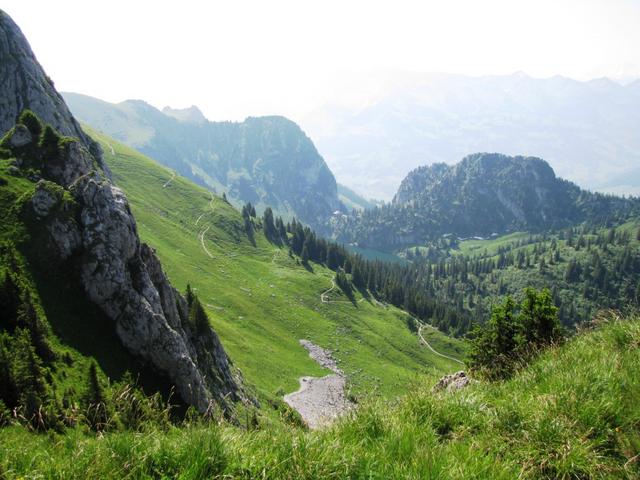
260 300
573 413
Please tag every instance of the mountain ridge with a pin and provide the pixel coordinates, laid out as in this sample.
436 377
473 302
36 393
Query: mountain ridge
483 194
585 130
268 161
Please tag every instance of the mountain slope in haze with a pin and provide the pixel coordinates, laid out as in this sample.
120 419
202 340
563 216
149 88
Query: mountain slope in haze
482 195
267 161
74 234
352 201
261 300
587 131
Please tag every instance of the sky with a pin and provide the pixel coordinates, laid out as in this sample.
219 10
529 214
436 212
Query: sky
237 58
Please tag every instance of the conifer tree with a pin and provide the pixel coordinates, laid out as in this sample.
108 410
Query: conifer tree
198 317
49 143
32 122
304 256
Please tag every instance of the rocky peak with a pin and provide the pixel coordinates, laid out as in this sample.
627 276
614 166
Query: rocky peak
186 115
24 85
91 232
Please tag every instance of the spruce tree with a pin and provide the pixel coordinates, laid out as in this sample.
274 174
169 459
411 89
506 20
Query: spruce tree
268 225
304 256
32 122
96 402
356 276
9 301
198 317
49 142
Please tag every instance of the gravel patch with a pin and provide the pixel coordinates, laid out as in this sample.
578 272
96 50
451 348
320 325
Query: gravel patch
320 400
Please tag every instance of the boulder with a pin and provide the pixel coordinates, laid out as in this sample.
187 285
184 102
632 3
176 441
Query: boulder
452 382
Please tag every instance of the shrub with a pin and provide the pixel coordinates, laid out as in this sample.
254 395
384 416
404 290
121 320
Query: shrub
513 333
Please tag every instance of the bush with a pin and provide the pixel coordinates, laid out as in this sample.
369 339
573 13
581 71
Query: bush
514 333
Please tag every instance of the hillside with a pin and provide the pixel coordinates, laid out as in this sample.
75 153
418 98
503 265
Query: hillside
586 269
572 413
352 201
483 195
260 299
267 161
585 130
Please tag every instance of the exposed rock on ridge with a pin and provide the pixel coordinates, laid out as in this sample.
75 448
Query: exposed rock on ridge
24 84
92 233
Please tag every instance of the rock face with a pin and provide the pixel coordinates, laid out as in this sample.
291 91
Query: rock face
268 161
24 84
92 233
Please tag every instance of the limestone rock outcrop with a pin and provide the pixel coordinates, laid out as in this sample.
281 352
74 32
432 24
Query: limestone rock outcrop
91 232
450 383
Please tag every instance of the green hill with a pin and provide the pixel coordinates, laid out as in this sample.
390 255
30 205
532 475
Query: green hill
261 300
572 413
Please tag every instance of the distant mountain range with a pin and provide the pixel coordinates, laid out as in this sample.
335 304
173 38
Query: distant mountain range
587 131
482 195
267 161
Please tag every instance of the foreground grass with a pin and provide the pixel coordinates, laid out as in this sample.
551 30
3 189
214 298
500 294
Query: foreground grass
573 413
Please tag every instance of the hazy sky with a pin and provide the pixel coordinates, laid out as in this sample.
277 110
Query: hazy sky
237 58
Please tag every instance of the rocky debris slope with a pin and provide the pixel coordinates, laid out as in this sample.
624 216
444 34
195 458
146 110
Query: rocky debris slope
88 229
320 400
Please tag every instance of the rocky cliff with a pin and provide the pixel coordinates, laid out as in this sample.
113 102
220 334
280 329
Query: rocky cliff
90 231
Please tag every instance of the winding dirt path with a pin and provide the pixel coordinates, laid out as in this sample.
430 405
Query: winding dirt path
204 247
428 345
324 299
168 182
113 152
319 401
323 295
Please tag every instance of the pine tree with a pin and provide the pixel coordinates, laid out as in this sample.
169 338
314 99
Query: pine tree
49 142
9 301
347 266
304 256
189 295
269 227
32 122
94 394
96 402
332 257
29 318
198 317
356 276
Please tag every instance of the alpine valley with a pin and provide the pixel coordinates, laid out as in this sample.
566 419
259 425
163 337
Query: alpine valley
182 298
